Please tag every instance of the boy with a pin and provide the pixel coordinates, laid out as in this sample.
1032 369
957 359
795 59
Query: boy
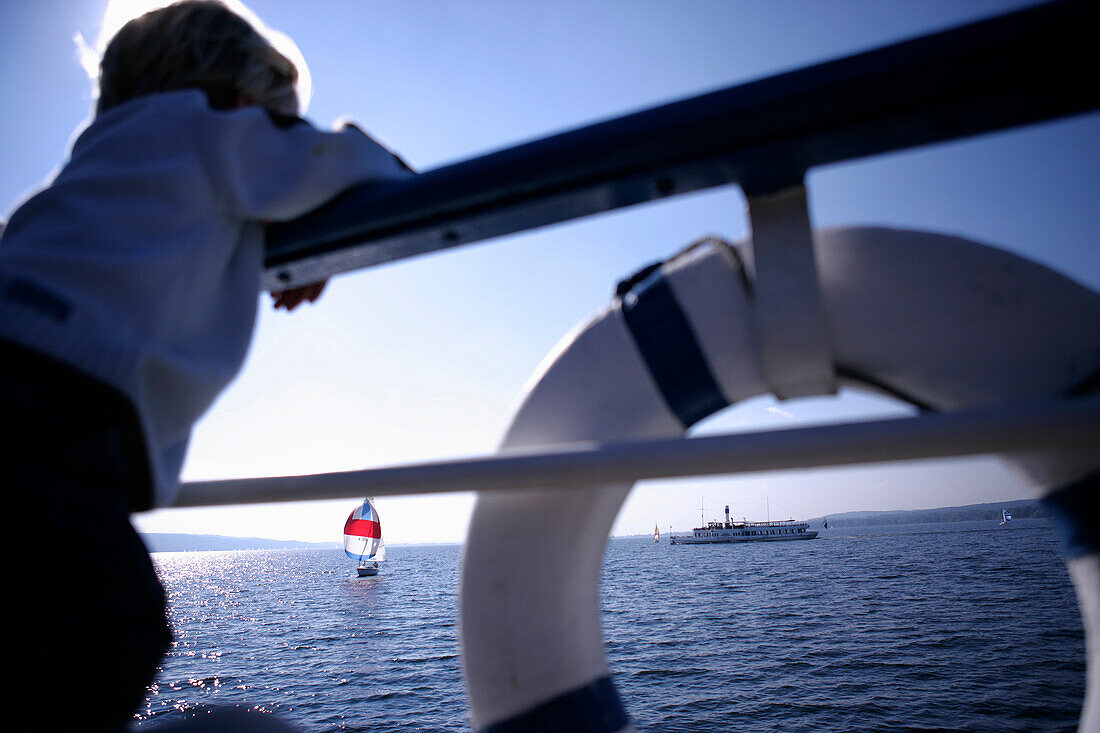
128 292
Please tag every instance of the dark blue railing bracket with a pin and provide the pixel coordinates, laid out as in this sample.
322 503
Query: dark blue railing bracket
796 354
1024 67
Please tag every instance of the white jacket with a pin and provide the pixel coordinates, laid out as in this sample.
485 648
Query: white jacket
140 263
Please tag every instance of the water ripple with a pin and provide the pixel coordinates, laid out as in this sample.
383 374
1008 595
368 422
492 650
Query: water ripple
930 628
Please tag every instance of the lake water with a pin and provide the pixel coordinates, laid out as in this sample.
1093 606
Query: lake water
936 627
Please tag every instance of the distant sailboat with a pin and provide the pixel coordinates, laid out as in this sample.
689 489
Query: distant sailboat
656 533
363 538
1005 517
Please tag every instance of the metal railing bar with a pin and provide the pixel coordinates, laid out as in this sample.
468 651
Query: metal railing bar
995 430
1028 66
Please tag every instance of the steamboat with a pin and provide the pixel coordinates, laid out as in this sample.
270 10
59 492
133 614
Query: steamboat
727 531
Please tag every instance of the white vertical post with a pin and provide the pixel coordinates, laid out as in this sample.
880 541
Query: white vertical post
796 350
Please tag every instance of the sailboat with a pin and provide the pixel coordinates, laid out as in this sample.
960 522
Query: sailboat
656 533
363 538
1005 517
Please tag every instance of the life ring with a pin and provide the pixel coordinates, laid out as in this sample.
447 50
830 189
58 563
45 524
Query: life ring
934 320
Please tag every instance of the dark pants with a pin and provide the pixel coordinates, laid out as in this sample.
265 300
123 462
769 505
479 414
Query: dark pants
84 623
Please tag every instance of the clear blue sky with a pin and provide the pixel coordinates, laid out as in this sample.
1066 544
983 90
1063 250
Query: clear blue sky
426 359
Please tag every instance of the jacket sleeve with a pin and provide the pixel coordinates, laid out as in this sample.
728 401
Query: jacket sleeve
266 168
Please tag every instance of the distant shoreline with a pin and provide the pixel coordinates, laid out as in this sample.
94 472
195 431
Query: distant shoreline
1019 509
165 542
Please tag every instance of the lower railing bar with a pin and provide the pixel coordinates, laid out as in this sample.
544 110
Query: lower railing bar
1072 425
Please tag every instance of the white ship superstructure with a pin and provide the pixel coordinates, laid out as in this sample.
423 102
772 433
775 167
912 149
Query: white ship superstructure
727 531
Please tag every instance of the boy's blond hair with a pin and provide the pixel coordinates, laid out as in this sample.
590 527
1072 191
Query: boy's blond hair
198 44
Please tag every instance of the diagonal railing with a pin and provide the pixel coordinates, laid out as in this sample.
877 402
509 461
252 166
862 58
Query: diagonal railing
1030 66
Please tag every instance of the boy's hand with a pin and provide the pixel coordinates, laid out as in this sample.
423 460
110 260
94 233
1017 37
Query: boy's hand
291 299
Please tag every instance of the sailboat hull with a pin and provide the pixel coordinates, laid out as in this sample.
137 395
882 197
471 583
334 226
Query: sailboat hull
363 572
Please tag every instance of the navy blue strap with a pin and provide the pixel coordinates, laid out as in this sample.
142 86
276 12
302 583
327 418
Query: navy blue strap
670 350
594 708
1074 509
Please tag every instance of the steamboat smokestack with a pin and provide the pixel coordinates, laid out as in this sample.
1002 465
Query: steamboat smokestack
727 513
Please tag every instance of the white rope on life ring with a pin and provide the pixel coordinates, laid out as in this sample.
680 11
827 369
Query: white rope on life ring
935 320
